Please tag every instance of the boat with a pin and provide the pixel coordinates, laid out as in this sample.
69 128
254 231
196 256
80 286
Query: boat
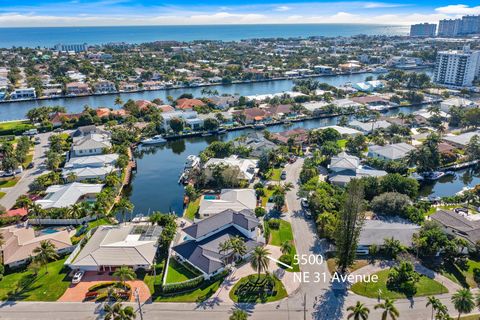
380 70
259 126
435 175
158 139
222 131
207 134
192 161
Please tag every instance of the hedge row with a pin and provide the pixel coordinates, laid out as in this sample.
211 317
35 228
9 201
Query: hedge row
192 284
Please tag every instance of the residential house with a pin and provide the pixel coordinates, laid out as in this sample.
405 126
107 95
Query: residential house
282 110
104 86
458 224
186 104
374 232
23 93
58 118
344 131
247 168
297 136
77 88
256 143
90 144
86 130
255 115
201 247
345 167
111 247
224 102
460 141
368 127
63 196
235 199
396 151
369 86
21 241
445 105
190 117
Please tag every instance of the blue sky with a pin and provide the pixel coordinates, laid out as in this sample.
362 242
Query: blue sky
190 12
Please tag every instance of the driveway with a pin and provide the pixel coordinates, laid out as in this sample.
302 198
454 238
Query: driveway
76 293
28 175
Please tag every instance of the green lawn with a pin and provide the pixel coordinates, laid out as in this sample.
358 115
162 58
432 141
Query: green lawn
23 285
201 294
2 194
178 272
28 159
342 143
8 183
284 234
425 287
192 209
91 225
462 277
250 290
9 127
472 317
274 174
268 194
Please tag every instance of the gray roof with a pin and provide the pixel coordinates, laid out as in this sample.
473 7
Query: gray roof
205 254
462 139
392 151
344 161
84 130
244 219
469 229
367 126
128 245
376 231
235 199
91 141
257 143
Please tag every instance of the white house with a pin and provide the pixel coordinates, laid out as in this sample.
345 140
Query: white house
90 144
62 196
235 199
394 151
247 167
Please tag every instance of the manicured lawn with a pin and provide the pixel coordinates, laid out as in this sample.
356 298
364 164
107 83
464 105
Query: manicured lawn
2 194
14 125
462 277
268 194
425 287
178 272
472 317
192 209
274 174
8 183
23 285
91 225
252 290
332 265
284 234
204 292
28 159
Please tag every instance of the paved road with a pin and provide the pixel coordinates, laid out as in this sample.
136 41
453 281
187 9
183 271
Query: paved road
29 175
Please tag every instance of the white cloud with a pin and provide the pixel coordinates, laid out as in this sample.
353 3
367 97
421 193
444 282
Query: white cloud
458 9
282 8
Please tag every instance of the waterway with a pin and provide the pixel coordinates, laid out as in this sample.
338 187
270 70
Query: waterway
17 110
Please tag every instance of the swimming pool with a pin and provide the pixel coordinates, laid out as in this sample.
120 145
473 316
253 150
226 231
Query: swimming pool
209 197
49 231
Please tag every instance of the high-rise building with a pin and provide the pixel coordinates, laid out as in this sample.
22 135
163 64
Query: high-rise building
423 30
470 25
71 47
457 68
449 27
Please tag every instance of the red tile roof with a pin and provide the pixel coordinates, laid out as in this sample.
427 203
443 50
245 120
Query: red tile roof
186 104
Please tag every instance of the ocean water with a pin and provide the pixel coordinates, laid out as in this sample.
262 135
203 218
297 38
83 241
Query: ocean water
48 37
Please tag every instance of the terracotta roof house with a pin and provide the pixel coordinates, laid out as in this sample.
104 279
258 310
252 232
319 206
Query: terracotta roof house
188 104
106 112
21 241
57 118
299 136
253 115
281 110
166 108
144 104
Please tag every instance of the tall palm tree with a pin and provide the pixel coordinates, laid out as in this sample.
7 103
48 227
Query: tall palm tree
389 309
75 211
223 249
359 311
286 247
45 252
463 301
259 260
434 302
124 205
238 247
34 209
124 273
117 312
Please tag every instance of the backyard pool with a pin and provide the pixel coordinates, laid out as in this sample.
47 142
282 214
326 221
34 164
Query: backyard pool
48 231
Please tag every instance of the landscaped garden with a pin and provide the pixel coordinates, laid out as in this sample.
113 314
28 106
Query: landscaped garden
109 291
424 287
8 183
254 289
178 272
281 235
274 174
45 286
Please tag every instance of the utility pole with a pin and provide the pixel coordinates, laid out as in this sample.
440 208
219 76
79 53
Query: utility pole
137 297
304 306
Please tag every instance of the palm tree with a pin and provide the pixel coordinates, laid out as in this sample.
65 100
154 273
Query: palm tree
118 101
463 301
238 314
117 312
75 211
2 242
223 248
259 260
124 273
124 205
286 247
155 217
34 209
45 252
389 309
359 311
434 302
239 248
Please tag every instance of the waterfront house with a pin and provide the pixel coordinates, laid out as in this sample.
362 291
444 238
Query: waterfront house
445 105
460 141
201 244
95 161
106 112
128 86
255 115
346 103
57 119
87 173
458 224
247 168
90 129
374 232
368 127
104 86
369 86
224 102
396 151
256 143
77 88
297 136
90 144
281 111
344 131
345 167
20 242
111 247
235 199
186 104
23 93
190 117
63 196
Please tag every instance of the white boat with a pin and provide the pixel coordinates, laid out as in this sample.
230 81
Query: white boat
380 70
435 175
192 161
259 126
158 139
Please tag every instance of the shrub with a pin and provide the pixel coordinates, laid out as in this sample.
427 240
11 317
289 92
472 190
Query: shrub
403 278
260 212
274 224
183 286
390 203
287 259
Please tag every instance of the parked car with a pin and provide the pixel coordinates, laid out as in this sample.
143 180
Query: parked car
77 277
58 130
30 165
283 176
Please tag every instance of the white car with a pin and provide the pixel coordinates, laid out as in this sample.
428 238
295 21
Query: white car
77 277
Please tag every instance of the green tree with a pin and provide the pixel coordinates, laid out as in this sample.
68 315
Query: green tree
118 312
177 125
349 225
286 247
389 309
44 253
124 273
358 311
463 301
434 302
259 260
238 314
124 206
473 148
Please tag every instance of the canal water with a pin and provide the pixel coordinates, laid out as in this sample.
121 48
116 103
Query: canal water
449 185
154 187
17 110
